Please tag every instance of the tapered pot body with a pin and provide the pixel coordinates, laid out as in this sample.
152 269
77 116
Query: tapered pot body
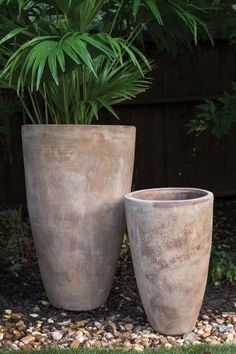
76 179
170 232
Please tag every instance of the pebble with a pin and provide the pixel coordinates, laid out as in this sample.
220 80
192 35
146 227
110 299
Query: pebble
44 303
114 332
196 342
75 344
219 320
57 335
230 338
27 339
8 312
189 337
222 328
97 324
168 345
16 316
129 326
138 348
81 338
208 328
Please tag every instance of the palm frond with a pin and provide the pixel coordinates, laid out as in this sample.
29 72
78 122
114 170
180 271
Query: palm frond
114 84
44 58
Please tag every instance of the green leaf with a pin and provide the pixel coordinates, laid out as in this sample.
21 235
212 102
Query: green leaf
136 6
152 5
12 34
105 103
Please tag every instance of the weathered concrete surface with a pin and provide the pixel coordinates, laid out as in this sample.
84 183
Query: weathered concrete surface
76 179
170 232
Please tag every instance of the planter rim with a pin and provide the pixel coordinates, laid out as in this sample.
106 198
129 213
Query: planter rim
86 126
203 195
60 129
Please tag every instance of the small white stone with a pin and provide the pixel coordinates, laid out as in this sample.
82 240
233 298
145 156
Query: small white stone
180 341
81 339
1 335
219 320
214 324
230 325
200 332
137 328
57 335
50 320
8 312
109 335
97 324
30 329
208 328
127 343
168 345
14 346
27 339
138 348
64 323
34 315
44 303
129 326
196 342
222 328
36 309
230 338
189 337
36 333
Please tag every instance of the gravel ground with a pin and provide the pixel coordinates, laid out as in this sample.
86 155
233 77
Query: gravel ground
28 321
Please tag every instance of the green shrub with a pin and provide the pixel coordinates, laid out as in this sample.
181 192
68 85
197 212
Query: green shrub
222 267
219 116
16 244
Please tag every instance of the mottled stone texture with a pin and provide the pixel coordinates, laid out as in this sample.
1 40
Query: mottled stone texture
170 232
76 179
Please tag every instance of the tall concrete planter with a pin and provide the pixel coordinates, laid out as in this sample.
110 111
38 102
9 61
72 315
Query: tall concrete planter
170 232
76 179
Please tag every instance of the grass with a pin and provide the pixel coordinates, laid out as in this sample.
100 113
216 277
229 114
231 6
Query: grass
197 349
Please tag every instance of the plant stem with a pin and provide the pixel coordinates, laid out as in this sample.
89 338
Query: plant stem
116 16
34 106
26 109
45 102
84 92
64 84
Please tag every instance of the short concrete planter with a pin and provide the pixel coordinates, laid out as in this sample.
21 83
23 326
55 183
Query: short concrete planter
170 232
76 179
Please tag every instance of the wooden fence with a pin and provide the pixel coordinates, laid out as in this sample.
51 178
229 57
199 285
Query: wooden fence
165 154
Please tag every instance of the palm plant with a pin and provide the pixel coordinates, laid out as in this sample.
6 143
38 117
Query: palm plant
172 25
52 56
67 59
